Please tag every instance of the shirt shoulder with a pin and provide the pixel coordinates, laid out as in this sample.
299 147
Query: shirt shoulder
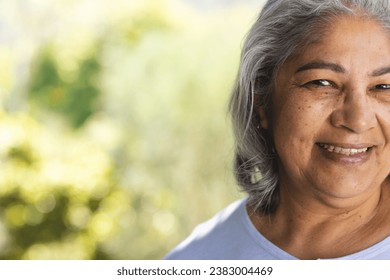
213 239
227 235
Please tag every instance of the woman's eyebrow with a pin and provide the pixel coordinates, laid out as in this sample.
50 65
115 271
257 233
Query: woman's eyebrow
381 71
321 65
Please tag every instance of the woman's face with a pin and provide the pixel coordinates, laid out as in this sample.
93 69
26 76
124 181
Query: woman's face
331 113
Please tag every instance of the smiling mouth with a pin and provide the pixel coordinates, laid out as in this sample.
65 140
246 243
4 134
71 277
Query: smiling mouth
343 151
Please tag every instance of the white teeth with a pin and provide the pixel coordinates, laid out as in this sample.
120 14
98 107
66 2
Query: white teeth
343 151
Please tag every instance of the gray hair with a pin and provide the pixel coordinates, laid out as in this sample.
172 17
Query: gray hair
283 28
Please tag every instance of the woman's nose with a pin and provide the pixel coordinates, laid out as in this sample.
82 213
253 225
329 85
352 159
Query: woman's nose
355 113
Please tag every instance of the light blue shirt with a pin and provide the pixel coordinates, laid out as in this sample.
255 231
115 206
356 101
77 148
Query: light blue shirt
230 235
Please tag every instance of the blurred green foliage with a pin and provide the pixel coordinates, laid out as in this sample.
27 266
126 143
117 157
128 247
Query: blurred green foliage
75 99
117 143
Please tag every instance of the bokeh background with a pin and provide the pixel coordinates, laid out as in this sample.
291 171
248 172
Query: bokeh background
115 139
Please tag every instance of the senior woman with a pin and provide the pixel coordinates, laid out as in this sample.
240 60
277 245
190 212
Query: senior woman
311 113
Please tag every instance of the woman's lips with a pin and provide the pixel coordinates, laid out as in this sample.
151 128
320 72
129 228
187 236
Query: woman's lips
347 153
350 151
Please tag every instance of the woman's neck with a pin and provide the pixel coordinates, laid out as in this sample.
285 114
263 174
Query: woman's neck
311 227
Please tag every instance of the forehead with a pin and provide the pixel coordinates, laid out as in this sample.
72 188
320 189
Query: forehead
345 38
329 24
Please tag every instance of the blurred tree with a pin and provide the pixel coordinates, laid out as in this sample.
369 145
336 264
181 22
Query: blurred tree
145 151
58 197
75 99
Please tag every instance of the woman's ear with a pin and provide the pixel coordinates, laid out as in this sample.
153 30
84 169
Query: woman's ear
262 117
260 110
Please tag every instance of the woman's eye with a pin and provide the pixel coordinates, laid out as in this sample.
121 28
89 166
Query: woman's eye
382 86
319 83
